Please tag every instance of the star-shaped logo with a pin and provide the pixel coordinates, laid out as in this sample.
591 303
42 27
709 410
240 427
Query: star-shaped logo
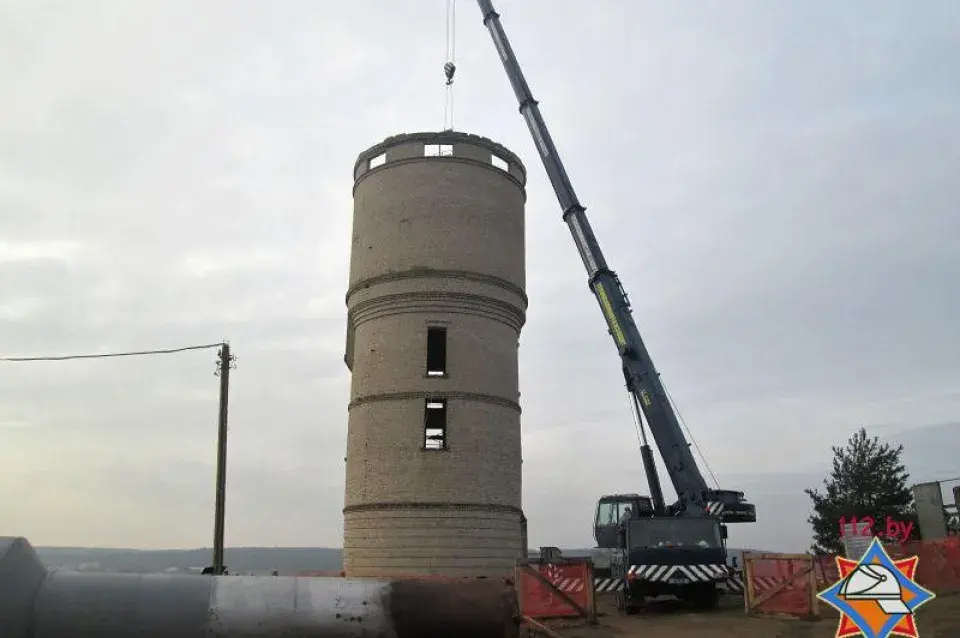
876 596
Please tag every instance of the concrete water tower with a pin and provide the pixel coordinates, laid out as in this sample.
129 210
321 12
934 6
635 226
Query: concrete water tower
435 307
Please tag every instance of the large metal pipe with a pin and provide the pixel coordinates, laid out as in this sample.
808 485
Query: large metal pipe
37 603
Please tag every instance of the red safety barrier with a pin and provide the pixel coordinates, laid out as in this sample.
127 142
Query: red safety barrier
826 569
558 590
780 585
938 569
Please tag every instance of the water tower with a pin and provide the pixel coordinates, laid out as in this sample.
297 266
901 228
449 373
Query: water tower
435 304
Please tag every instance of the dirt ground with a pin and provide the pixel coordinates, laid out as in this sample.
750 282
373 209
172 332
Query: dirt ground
940 618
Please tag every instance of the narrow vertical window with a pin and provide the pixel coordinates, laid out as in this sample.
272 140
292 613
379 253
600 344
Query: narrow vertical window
435 425
436 351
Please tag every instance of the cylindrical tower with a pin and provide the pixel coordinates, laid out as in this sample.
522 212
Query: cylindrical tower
435 307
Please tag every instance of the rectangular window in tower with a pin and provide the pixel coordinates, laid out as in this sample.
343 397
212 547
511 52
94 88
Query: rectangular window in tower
436 351
500 163
435 425
438 150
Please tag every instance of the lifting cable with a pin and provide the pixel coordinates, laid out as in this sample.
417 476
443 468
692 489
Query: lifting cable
450 67
696 446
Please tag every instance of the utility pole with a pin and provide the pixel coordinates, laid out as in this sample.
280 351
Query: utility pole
225 361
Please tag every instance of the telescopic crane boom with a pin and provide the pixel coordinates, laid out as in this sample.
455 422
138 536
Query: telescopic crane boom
643 382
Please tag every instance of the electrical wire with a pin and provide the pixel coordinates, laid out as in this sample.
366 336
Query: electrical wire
696 446
108 355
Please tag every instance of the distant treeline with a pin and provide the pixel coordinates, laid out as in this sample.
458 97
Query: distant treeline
286 560
239 560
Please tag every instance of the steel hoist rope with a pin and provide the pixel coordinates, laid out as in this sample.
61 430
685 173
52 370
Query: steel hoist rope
450 66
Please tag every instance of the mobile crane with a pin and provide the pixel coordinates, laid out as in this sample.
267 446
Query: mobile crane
678 548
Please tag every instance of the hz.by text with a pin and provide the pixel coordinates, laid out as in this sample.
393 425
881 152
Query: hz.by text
892 529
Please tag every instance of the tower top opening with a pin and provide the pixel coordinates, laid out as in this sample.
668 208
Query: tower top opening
453 144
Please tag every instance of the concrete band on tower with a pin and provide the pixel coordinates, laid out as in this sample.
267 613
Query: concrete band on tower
435 304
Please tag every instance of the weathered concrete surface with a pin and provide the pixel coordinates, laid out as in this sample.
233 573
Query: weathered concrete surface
929 500
436 241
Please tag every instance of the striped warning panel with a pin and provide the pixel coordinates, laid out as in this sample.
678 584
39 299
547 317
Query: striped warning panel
569 585
604 585
713 508
734 584
690 573
572 585
600 585
761 583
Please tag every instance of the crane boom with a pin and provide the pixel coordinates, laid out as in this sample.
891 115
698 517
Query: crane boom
641 376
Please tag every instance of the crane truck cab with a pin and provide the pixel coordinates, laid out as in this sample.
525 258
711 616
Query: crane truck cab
682 556
611 510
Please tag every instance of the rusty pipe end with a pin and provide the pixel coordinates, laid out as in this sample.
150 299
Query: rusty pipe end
482 608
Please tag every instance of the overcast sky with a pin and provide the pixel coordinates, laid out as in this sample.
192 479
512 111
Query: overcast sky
775 183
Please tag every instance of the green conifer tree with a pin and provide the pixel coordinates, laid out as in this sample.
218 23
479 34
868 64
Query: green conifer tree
868 479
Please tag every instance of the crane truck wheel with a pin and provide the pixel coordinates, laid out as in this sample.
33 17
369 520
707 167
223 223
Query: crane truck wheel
623 606
626 605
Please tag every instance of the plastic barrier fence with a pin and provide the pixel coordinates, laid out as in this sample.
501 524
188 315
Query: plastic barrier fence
733 586
557 590
780 585
938 570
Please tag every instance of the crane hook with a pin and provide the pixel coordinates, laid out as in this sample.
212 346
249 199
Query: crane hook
449 69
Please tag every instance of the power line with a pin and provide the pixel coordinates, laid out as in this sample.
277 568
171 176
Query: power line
225 364
108 355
